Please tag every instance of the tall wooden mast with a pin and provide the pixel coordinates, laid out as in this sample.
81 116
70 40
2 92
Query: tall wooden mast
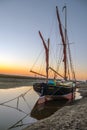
64 43
47 54
47 66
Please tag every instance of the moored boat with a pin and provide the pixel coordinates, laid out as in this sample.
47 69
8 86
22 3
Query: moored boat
52 89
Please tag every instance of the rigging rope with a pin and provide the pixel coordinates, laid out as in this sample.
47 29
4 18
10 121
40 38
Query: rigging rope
36 60
17 98
70 59
59 60
18 109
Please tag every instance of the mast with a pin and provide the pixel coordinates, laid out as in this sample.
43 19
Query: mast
47 54
63 41
47 65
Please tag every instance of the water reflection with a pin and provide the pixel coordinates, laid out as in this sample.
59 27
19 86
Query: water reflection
18 107
15 106
77 95
41 111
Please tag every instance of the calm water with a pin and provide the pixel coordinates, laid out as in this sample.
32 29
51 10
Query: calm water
18 108
12 111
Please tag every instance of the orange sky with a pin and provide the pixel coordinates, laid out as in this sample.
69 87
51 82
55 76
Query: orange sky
80 75
14 70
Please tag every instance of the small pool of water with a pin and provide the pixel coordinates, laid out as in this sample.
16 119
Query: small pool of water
77 95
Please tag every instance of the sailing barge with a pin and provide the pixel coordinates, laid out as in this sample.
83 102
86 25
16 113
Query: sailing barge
65 89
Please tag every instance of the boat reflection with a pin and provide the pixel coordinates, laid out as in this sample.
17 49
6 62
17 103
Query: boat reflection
46 109
41 111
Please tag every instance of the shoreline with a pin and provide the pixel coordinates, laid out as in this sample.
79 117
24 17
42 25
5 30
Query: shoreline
70 117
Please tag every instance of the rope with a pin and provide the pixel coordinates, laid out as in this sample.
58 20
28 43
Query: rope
20 121
36 60
16 97
18 109
70 58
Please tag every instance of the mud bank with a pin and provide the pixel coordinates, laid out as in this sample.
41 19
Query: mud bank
71 117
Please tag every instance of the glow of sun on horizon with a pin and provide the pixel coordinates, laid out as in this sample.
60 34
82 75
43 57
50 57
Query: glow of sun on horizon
4 69
15 70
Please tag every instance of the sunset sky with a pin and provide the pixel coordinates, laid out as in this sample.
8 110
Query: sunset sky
20 21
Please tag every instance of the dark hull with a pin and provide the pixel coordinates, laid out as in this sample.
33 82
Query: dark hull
54 92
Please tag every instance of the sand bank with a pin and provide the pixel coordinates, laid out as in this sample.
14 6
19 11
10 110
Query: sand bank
70 117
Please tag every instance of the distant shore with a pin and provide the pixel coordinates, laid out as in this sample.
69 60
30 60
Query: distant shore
12 81
71 117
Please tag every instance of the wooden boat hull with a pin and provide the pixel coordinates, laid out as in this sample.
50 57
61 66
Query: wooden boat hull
51 92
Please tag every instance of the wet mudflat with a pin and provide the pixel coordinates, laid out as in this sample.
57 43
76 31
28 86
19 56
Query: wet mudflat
70 117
